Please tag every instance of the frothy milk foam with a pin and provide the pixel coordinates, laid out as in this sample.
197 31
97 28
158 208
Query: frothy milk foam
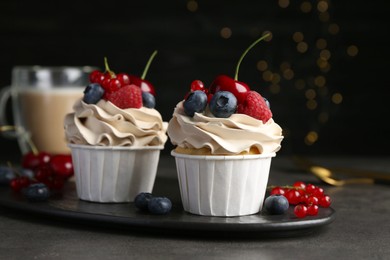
43 112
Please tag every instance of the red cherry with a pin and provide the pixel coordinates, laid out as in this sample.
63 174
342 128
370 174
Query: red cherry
123 78
237 88
43 173
31 160
62 165
145 85
18 183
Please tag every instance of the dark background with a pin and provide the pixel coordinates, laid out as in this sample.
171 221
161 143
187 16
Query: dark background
188 36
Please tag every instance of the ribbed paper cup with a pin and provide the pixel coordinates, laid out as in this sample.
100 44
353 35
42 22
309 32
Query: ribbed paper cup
223 186
109 174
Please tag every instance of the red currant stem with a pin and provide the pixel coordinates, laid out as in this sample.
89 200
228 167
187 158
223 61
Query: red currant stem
284 187
148 64
246 51
15 128
112 74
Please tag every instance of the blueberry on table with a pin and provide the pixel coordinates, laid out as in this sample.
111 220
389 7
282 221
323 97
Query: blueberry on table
142 200
93 93
196 102
148 100
37 192
6 175
276 204
223 104
159 205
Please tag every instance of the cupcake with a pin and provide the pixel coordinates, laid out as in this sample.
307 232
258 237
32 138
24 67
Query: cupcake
225 138
115 136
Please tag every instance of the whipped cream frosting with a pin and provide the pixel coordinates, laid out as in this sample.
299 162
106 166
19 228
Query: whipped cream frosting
228 136
104 124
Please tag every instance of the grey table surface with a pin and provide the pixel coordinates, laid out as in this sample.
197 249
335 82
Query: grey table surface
361 228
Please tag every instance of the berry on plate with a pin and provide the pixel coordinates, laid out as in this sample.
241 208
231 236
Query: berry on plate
37 192
159 205
276 204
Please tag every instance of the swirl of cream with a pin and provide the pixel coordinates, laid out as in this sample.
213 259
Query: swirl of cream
104 124
233 135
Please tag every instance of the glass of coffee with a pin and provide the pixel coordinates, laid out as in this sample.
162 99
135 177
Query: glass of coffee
41 97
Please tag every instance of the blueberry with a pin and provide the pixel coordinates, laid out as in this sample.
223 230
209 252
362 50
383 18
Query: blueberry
223 104
37 192
267 102
148 100
93 93
142 200
159 205
276 204
195 102
6 175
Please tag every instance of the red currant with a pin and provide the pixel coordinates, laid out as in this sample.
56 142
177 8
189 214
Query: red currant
197 85
293 196
278 190
325 201
19 183
312 210
312 200
300 211
310 188
123 78
95 76
299 184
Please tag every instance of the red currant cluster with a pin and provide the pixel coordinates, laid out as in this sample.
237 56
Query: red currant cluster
51 170
307 198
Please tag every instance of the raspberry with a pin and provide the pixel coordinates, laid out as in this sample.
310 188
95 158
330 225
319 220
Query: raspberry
255 106
129 96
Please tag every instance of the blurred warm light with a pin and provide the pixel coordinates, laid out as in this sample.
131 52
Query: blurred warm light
192 5
306 7
302 47
226 32
275 78
352 50
323 117
325 54
311 138
311 104
300 84
322 63
326 68
285 66
268 75
274 88
324 17
320 81
321 44
288 74
310 94
337 98
298 37
262 65
333 28
322 6
284 3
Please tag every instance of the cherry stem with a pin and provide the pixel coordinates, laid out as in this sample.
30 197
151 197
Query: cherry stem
148 64
246 51
5 128
112 74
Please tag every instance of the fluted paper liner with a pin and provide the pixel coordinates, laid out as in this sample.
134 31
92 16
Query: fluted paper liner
113 174
223 185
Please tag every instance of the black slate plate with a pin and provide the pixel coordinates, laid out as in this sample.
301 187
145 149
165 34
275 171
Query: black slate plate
125 215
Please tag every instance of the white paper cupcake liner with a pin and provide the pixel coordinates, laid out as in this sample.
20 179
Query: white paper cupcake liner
113 174
223 185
